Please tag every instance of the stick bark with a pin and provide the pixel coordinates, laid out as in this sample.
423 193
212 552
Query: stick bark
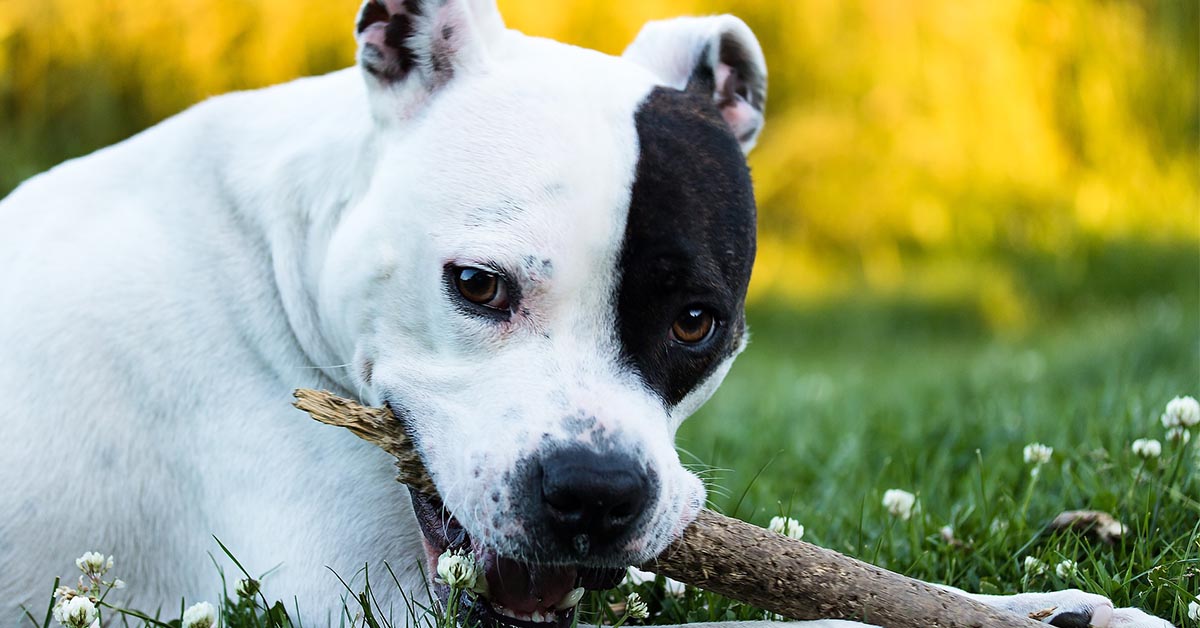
733 558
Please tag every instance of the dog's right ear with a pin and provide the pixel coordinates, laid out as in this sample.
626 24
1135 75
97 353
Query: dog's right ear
410 48
718 53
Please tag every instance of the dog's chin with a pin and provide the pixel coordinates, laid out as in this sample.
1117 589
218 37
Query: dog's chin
519 594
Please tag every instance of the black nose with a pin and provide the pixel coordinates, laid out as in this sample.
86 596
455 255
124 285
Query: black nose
591 499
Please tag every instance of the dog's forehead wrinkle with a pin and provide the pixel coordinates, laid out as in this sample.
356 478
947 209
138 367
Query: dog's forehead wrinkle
498 213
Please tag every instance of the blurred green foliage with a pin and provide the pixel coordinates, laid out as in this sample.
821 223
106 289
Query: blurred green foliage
928 151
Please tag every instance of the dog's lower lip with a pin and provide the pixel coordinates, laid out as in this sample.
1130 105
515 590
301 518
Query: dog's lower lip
520 594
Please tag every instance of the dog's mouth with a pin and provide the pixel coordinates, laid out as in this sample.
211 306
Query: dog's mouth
518 594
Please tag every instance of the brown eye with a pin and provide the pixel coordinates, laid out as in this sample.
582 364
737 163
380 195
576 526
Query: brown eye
481 287
694 325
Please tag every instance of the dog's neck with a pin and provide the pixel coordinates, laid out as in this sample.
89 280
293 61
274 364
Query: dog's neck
323 153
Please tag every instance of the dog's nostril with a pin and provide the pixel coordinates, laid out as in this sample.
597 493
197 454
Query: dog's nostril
622 511
597 497
563 503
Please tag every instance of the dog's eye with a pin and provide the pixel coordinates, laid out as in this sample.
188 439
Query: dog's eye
481 287
694 325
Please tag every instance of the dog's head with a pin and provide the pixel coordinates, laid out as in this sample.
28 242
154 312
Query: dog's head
547 275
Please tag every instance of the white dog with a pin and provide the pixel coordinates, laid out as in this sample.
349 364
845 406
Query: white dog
537 255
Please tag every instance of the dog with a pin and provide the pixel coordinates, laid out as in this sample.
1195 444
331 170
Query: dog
536 255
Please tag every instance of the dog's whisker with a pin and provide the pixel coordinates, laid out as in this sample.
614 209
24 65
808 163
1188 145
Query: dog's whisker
318 367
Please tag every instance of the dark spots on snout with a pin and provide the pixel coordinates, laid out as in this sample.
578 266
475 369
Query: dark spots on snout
585 427
1072 620
689 239
447 32
495 497
577 425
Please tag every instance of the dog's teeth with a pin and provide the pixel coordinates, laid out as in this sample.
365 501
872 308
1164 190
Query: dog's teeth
536 617
571 599
515 615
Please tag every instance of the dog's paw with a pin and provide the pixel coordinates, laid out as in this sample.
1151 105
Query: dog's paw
1073 608
1134 618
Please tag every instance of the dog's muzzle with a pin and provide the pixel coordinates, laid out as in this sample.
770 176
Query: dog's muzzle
581 509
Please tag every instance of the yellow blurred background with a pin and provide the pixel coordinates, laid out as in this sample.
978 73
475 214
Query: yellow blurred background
927 149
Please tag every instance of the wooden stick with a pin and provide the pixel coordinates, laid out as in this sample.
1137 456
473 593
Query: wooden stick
731 557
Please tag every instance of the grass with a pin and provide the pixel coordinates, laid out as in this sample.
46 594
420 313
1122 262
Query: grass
837 402
820 429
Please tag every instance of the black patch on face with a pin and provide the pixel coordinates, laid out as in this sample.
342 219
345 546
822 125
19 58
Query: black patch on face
689 239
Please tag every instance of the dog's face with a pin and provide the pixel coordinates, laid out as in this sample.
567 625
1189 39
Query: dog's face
546 276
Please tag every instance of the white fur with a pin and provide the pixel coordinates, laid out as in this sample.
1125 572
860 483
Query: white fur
161 298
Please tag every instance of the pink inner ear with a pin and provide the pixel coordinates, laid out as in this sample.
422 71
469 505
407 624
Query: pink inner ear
393 6
722 75
375 34
741 117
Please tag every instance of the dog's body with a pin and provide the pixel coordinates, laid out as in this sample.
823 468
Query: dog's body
514 243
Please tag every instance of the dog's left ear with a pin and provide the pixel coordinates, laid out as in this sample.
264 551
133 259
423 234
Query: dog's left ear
717 53
409 49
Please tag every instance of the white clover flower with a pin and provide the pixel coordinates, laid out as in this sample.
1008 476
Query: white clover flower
1179 434
1066 569
786 526
1194 609
94 564
1181 412
246 587
1147 448
635 607
1034 567
899 503
1037 454
458 569
76 612
200 615
633 575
